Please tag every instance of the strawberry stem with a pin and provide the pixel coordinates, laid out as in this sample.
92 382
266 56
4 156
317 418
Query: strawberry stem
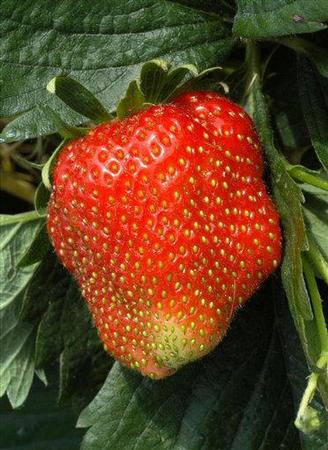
307 419
316 258
301 174
316 304
304 412
253 73
19 218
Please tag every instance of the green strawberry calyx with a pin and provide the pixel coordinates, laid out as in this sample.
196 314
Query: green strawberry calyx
159 82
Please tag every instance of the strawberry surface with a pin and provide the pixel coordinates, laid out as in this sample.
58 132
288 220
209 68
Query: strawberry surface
165 222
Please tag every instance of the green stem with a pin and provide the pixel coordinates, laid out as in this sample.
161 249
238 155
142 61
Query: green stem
316 258
303 175
22 217
309 391
316 304
253 72
323 336
306 399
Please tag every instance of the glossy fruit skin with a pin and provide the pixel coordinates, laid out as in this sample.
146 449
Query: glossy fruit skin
165 222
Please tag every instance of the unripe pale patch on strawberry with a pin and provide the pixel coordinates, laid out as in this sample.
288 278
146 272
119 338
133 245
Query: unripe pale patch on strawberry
165 222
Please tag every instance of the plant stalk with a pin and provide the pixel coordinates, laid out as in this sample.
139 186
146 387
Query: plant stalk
253 72
316 258
301 174
316 304
309 392
29 216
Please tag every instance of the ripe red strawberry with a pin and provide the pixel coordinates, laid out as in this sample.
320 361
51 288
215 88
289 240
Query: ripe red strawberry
164 221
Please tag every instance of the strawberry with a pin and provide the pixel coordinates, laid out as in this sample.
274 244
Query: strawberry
165 223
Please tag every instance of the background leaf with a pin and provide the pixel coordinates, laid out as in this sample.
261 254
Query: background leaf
41 424
115 44
38 248
15 240
65 330
314 100
264 18
38 121
16 357
286 109
317 54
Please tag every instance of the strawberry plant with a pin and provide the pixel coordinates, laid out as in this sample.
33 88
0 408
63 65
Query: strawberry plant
164 258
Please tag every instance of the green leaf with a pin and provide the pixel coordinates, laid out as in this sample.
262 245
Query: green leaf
205 405
38 248
104 52
318 55
132 102
175 77
212 6
160 83
314 100
40 290
152 77
157 81
39 121
50 287
17 338
189 83
16 357
41 424
32 123
21 373
65 328
286 110
40 373
76 329
16 237
49 341
78 98
288 198
49 165
41 199
265 18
